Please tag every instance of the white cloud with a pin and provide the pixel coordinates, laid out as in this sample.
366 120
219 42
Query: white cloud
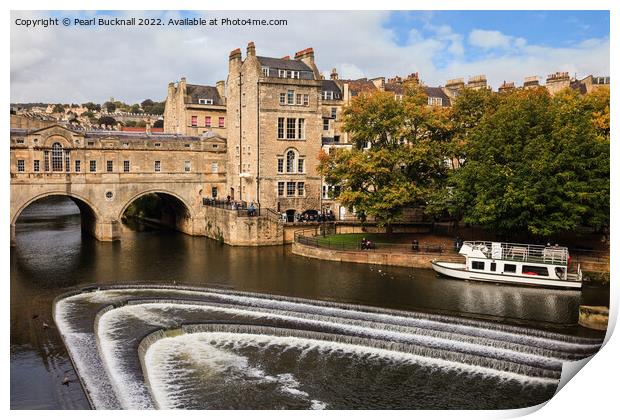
489 39
82 64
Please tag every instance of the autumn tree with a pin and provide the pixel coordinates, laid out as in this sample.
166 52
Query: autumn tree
404 162
597 103
374 119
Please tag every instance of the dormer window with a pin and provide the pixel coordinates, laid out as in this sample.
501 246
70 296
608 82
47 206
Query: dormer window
288 74
204 101
435 101
265 71
328 95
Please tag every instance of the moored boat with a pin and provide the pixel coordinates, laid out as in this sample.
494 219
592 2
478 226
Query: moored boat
500 262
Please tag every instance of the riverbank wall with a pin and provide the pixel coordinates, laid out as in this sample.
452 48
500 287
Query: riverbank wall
399 259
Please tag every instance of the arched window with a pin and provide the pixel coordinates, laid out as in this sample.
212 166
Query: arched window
56 157
290 161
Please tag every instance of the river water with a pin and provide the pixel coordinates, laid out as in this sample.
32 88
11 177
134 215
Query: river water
51 257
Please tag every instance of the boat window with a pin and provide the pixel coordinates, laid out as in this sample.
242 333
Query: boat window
493 266
534 270
477 265
510 268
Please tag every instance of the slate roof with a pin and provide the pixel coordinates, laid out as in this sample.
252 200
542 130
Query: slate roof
360 85
196 92
397 88
279 63
330 85
437 92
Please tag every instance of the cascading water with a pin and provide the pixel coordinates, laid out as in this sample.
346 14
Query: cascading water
182 348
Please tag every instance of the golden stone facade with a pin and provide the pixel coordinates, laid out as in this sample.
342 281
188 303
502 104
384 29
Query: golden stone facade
105 171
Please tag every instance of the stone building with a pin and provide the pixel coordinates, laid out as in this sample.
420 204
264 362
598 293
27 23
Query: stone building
506 86
557 81
591 83
192 110
531 82
274 135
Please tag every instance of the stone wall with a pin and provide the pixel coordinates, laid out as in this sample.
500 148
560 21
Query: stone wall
373 257
226 226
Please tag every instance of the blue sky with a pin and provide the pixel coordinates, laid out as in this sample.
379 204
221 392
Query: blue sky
548 28
544 27
79 64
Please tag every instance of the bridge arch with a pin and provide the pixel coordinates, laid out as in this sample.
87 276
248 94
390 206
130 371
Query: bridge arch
83 204
91 218
177 213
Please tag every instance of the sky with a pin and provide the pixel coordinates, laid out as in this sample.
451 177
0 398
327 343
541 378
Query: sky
80 64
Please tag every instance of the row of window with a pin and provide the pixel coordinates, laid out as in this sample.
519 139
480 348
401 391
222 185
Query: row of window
435 101
283 74
291 128
220 122
293 189
291 157
329 95
512 268
290 98
21 166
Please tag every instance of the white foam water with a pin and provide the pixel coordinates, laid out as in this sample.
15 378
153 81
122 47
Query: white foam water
166 378
448 343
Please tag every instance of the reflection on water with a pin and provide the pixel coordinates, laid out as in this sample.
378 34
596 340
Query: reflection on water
51 255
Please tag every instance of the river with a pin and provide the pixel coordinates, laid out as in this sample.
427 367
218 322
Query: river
52 256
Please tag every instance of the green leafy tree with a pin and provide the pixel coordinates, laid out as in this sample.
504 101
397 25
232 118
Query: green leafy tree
106 121
58 108
92 106
536 164
468 110
109 106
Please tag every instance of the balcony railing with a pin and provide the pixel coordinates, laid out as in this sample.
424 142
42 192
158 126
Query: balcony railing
520 252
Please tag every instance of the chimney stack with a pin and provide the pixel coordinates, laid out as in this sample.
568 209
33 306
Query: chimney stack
251 50
334 74
307 55
220 85
235 55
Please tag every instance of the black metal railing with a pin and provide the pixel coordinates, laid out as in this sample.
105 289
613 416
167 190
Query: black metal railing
319 238
242 208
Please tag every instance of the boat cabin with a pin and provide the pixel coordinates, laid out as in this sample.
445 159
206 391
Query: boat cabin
550 262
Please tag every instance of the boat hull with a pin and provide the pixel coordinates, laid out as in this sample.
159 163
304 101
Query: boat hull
459 271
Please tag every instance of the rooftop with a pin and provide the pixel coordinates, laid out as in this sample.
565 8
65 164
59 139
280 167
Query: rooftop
196 92
283 63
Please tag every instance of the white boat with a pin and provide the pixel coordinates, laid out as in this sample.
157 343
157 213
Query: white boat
500 262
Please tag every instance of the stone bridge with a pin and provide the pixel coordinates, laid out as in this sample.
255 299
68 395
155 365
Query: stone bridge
104 172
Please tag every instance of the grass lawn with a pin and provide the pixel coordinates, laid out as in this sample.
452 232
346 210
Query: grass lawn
353 240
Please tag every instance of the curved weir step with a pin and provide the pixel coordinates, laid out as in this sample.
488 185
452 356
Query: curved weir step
107 331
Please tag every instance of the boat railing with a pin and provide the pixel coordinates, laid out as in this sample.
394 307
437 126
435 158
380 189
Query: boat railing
521 252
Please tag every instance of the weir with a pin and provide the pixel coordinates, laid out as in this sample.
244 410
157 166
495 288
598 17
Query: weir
128 321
